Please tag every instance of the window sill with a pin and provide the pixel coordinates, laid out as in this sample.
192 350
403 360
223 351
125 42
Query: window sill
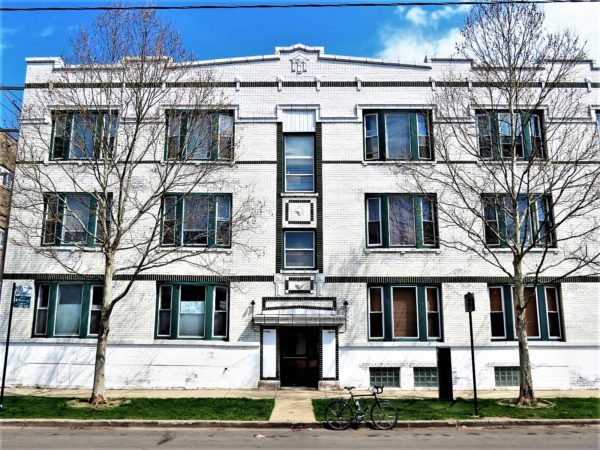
305 271
401 250
533 250
194 250
397 162
70 248
299 194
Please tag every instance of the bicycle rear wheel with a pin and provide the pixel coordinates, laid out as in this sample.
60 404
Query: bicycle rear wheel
339 415
384 415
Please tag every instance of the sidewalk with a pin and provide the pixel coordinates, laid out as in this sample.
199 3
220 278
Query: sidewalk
291 405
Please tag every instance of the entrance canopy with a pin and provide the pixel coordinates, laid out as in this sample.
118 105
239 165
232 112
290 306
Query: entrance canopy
300 311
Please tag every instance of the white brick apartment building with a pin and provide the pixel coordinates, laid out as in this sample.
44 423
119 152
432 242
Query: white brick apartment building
333 295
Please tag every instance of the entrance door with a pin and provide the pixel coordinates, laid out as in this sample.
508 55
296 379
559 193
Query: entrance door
299 349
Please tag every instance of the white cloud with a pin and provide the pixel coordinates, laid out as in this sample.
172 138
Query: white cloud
412 47
48 31
6 30
582 18
448 11
417 16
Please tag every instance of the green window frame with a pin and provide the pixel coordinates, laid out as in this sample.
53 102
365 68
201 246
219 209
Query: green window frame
209 227
181 307
397 135
199 135
543 313
71 219
57 306
538 223
495 139
401 220
404 313
83 136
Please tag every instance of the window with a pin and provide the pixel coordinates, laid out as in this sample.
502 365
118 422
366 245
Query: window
376 313
397 135
201 220
198 135
95 310
70 219
497 313
384 376
404 313
542 312
89 135
192 311
534 215
299 249
6 177
500 133
405 220
425 376
507 376
67 309
2 237
299 162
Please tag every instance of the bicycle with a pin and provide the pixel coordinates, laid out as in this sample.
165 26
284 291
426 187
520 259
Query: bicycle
341 413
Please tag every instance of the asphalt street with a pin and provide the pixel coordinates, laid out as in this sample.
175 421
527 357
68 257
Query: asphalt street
546 437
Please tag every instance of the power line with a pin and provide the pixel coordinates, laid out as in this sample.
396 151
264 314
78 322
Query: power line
285 6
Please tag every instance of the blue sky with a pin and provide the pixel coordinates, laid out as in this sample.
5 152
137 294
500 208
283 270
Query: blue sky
397 33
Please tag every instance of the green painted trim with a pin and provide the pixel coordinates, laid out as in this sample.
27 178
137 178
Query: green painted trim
318 158
422 313
418 209
388 323
279 206
51 310
414 140
542 312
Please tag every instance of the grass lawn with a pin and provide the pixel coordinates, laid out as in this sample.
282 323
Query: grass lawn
18 407
566 408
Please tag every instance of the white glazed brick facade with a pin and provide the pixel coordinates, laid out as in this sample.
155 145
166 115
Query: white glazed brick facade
136 359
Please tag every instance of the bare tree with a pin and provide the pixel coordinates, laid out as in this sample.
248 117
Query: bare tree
136 128
517 170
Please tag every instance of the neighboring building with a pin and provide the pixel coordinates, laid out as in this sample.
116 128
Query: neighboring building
336 295
8 152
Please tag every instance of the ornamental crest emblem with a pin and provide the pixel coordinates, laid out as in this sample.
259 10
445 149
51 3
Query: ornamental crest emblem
298 64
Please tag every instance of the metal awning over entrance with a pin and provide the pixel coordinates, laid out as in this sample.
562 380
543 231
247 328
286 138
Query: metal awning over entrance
300 311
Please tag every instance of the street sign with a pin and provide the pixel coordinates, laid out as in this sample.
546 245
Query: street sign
469 302
22 296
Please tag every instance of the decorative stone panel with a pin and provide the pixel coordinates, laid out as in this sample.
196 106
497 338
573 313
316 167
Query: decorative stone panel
299 213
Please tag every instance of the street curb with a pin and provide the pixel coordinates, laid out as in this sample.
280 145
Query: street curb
127 423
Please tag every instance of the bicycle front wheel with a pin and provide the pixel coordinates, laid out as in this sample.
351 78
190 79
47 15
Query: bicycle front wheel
384 415
339 415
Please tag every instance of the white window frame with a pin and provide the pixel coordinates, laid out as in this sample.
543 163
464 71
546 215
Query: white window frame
558 311
186 336
392 311
38 307
414 216
285 249
220 133
501 288
6 176
514 312
382 312
428 136
214 310
58 285
376 136
299 158
385 116
219 199
2 237
380 244
89 324
159 309
433 221
438 312
183 229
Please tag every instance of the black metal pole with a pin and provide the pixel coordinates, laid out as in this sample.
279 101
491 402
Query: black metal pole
473 366
10 314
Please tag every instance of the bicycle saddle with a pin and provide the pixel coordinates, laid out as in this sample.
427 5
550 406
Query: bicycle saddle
349 387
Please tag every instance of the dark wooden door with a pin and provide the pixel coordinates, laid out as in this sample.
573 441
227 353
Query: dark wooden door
299 353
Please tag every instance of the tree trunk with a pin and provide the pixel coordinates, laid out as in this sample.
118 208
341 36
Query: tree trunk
526 395
99 390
